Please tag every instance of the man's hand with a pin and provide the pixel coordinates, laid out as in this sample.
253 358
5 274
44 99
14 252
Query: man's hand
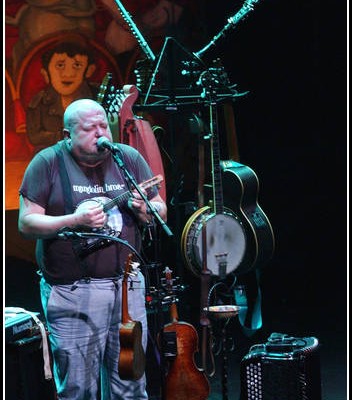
138 206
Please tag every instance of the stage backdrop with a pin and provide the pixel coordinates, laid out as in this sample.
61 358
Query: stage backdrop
98 40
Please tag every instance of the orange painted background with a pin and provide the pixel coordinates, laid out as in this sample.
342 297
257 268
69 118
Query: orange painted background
33 26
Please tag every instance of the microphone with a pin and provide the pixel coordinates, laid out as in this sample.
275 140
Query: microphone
104 143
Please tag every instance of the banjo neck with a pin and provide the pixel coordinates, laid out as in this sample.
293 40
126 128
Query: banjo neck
218 201
123 198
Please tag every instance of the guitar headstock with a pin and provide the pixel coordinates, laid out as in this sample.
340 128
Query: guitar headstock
110 97
168 279
131 267
155 181
103 89
170 284
214 80
144 74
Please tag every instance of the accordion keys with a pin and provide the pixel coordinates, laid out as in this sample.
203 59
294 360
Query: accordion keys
284 368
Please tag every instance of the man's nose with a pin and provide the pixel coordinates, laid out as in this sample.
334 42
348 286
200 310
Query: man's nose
99 131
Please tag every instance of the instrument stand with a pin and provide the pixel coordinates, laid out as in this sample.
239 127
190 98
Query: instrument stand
224 321
224 361
223 314
157 221
154 302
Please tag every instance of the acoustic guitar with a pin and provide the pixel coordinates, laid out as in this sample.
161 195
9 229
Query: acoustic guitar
184 380
131 364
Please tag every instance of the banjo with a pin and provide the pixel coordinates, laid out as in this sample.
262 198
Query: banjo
114 223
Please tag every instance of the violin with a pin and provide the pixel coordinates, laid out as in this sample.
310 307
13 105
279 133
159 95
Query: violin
184 380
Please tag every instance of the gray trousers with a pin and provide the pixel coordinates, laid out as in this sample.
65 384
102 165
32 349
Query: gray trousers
83 321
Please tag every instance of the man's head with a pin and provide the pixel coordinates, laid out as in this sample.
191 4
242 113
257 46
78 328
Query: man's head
67 65
85 121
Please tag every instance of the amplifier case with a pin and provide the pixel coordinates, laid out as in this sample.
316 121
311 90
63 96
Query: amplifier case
24 371
284 368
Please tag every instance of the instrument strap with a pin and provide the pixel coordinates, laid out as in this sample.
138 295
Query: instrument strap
65 182
67 193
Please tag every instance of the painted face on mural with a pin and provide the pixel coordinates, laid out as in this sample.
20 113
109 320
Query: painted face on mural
67 73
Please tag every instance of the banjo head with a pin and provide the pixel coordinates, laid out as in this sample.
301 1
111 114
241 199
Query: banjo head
225 242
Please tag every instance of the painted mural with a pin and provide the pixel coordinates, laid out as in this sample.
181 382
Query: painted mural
58 51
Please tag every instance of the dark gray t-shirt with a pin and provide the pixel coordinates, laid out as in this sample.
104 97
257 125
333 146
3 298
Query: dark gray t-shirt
57 258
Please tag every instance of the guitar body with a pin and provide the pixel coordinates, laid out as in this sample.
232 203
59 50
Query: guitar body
184 381
240 189
138 133
132 356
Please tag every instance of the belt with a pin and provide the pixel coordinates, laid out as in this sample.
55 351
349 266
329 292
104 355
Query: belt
86 279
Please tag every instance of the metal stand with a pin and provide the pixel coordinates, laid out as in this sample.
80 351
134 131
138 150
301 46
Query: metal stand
223 314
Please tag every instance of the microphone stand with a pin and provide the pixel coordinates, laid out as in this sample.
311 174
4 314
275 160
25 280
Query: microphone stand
116 156
133 182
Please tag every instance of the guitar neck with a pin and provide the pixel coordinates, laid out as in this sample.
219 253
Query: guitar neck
218 206
101 97
169 287
173 312
124 303
124 299
123 198
117 201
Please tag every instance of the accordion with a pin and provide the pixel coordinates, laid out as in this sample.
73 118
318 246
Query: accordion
283 368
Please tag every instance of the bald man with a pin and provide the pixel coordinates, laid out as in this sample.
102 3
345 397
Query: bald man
65 190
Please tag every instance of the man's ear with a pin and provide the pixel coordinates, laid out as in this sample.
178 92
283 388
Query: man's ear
45 75
90 70
66 133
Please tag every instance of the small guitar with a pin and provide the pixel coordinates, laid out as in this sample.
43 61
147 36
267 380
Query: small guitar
114 222
184 380
131 364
